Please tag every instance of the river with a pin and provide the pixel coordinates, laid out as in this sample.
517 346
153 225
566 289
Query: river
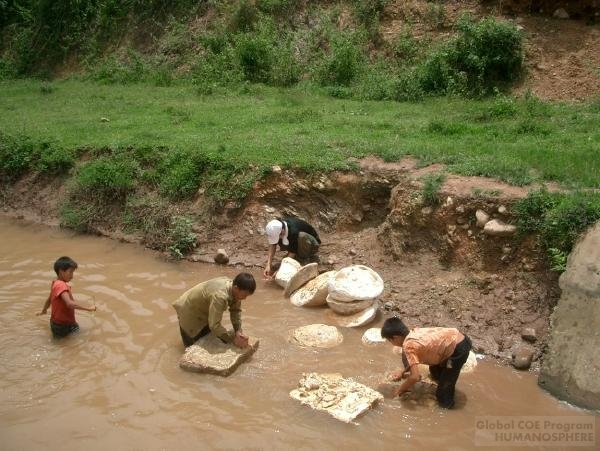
116 384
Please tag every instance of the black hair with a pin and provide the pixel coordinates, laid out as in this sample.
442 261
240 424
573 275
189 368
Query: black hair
64 263
393 327
245 281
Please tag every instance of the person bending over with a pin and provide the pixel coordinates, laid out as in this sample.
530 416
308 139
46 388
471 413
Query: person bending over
445 350
200 309
297 237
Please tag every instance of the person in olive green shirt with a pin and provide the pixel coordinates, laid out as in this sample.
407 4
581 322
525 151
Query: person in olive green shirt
201 308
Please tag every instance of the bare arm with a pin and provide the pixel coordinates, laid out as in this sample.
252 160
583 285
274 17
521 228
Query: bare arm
46 305
70 302
270 255
413 377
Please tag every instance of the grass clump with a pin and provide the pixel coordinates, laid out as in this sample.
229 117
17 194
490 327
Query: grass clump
19 155
181 238
431 186
558 218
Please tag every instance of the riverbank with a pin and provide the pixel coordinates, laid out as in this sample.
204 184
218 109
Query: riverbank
438 266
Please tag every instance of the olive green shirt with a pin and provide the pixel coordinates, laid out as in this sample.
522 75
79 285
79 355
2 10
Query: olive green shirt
204 305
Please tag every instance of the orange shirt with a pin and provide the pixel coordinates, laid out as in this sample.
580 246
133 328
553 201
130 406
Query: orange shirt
430 345
61 314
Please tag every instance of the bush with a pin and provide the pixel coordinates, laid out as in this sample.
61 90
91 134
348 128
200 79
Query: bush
255 57
483 58
559 219
343 64
182 171
431 186
563 225
181 238
108 177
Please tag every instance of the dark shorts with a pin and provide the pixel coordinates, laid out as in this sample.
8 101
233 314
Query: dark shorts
189 341
62 330
447 372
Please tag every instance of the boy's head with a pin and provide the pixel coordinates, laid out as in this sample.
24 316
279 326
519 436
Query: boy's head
243 286
64 267
394 331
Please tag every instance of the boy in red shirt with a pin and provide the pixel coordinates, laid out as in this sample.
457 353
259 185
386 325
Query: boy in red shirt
62 319
444 349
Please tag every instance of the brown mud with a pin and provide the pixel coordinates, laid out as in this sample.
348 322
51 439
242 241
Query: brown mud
438 266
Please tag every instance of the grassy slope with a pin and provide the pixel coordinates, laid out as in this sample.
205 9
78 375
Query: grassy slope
519 141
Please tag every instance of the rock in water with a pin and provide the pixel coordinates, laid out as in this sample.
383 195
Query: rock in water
373 336
318 336
355 283
470 364
210 355
304 274
356 320
286 270
343 399
314 293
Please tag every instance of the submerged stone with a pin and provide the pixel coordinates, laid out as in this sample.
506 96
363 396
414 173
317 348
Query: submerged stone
343 399
314 293
355 283
317 336
210 355
373 336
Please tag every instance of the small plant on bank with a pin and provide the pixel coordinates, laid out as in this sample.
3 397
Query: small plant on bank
558 218
558 259
181 237
431 186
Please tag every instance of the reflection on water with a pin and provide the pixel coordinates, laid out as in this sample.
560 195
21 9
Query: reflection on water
117 383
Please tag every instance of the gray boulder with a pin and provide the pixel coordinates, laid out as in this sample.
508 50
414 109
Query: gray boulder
572 363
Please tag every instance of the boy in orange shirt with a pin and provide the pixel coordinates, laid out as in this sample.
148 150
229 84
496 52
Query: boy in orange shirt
62 318
445 350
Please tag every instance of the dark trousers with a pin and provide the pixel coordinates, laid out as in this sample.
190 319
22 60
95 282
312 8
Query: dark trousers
447 372
62 330
189 341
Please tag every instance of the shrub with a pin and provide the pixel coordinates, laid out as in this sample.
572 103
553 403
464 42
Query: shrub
563 225
55 160
489 53
16 156
484 57
108 177
431 186
344 62
181 237
255 57
558 218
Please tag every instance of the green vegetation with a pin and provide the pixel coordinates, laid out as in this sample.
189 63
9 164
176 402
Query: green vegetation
431 186
275 42
558 218
210 95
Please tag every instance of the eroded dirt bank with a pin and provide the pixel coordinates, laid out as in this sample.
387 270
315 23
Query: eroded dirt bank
438 266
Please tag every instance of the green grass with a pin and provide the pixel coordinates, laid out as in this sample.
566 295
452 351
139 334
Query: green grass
518 141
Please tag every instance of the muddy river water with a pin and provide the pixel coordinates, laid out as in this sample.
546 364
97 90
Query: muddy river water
116 385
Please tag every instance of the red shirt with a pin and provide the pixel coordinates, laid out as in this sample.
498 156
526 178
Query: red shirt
61 314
